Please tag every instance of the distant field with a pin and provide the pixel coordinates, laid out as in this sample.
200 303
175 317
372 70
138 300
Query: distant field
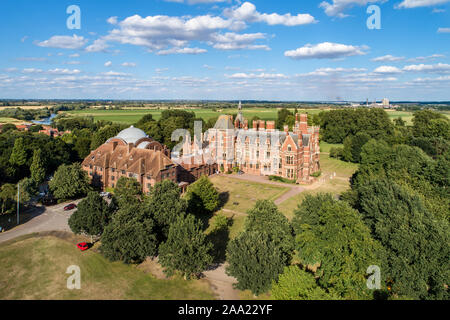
131 116
10 120
25 107
35 268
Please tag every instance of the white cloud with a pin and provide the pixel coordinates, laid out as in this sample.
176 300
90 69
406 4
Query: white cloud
108 64
407 4
129 64
115 74
325 50
75 55
331 71
206 66
266 76
112 20
236 41
432 57
427 68
443 30
387 70
56 71
247 12
64 42
196 1
181 51
337 7
97 46
388 58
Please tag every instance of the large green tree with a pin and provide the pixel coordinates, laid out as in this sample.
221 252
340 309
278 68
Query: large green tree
165 204
255 261
69 182
91 217
265 217
130 236
187 249
298 284
202 196
332 239
417 255
37 167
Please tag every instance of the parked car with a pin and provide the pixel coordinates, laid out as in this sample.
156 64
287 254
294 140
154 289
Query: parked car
105 194
70 207
83 246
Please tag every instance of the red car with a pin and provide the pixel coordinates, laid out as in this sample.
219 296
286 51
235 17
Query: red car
70 207
83 246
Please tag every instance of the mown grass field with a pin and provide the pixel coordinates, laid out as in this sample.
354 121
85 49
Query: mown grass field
242 195
35 268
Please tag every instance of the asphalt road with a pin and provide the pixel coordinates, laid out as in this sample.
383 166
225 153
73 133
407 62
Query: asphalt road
52 218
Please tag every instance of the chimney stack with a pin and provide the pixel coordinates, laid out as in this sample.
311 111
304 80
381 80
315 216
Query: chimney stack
255 125
270 125
262 125
304 123
246 124
286 129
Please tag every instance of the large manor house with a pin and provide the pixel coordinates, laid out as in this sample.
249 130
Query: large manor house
257 150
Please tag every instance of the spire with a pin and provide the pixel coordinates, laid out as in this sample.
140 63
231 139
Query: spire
240 106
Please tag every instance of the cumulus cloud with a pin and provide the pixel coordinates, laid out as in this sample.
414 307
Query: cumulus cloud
388 58
263 75
407 4
98 46
181 51
129 64
426 58
337 7
112 20
247 12
387 70
428 68
56 71
108 64
235 41
326 50
64 42
443 30
332 71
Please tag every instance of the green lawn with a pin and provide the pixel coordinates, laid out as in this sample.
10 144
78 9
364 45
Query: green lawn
35 268
242 195
325 146
337 185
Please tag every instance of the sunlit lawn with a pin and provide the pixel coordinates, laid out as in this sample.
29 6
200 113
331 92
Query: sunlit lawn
35 268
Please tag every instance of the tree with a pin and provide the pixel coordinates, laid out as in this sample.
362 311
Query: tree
91 217
297 284
7 195
353 146
69 182
416 243
127 190
186 249
37 167
130 237
19 153
202 196
265 217
165 205
332 239
255 261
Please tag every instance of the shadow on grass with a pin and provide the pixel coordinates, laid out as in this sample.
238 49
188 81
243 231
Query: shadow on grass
9 221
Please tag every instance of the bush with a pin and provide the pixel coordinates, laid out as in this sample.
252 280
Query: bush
316 174
281 179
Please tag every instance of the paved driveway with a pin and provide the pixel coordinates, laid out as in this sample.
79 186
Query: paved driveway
52 218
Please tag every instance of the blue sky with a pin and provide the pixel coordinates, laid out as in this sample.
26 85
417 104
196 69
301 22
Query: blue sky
225 49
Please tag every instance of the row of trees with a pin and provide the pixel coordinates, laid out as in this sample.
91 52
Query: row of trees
135 226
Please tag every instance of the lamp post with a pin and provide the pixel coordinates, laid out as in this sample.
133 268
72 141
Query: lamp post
18 202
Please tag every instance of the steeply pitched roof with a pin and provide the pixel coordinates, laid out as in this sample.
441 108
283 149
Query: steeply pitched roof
224 123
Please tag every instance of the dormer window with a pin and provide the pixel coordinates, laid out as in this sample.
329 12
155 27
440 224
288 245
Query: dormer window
289 148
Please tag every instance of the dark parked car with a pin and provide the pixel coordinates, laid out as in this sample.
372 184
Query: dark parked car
70 207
